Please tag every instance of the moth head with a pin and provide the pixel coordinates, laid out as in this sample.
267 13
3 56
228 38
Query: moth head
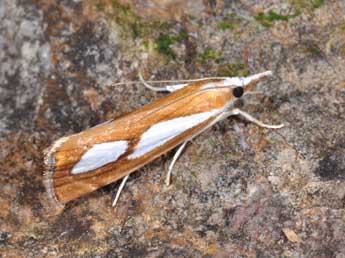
244 85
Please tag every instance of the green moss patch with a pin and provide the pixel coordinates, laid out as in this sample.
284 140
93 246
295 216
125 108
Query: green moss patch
233 69
164 42
209 54
152 32
230 22
306 5
268 19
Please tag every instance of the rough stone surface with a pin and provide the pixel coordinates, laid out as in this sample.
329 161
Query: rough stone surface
237 188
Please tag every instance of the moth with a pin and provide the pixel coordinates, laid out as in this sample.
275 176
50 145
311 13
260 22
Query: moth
84 162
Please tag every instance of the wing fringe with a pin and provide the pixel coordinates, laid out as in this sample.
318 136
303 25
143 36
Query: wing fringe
49 161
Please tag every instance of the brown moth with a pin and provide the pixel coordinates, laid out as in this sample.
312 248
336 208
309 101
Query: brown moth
84 162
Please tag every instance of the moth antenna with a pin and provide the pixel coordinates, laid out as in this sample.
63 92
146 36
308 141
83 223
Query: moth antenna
185 80
164 81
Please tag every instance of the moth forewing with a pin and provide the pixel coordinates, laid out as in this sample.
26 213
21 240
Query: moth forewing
83 162
67 154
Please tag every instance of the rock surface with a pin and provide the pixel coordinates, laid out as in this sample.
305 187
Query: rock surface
238 190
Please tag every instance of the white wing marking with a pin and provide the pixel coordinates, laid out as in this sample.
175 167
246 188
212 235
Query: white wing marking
100 155
162 132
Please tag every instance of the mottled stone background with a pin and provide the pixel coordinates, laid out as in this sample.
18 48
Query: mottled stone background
238 190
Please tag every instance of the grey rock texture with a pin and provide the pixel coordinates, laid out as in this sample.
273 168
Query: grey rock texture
238 190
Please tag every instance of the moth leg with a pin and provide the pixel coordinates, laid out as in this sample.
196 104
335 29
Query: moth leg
250 118
177 154
124 180
169 88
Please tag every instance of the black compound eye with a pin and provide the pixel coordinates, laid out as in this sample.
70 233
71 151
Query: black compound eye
238 92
